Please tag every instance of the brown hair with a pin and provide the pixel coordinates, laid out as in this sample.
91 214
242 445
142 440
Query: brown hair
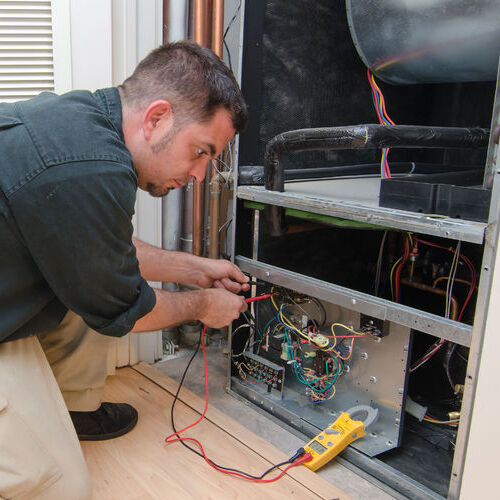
192 78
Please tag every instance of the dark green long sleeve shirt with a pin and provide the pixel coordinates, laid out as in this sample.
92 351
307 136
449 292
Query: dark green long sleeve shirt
67 195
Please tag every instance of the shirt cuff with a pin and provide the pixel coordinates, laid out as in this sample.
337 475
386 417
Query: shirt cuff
123 323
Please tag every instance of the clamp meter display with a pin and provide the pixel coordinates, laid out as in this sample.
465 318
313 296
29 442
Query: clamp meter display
329 443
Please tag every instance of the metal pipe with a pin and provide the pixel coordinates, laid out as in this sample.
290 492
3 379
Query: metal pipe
436 291
174 28
218 27
357 137
215 184
456 280
215 191
199 32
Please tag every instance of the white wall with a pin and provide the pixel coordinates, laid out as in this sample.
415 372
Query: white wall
137 29
97 43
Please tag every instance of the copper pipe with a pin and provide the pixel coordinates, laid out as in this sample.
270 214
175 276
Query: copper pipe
436 291
215 178
218 27
456 280
217 183
208 23
199 35
199 31
215 191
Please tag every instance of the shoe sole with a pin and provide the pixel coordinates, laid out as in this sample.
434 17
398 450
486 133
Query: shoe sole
109 435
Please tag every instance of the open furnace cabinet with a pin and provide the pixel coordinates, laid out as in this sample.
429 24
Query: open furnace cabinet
373 305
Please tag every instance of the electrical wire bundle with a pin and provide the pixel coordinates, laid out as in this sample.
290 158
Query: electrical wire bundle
451 422
395 274
319 387
298 458
383 118
412 243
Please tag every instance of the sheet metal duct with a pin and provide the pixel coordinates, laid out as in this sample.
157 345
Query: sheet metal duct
427 41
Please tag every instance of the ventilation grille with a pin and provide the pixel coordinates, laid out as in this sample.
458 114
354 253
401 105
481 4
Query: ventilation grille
26 57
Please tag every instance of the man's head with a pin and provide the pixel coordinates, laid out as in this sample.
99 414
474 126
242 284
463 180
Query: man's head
180 108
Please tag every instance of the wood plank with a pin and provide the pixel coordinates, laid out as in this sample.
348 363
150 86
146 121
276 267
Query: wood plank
260 446
140 465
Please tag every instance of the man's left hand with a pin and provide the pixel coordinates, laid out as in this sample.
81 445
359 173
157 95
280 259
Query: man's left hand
220 273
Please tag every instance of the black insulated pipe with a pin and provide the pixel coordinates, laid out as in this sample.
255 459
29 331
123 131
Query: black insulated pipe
369 136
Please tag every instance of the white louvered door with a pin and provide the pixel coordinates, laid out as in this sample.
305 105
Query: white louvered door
26 49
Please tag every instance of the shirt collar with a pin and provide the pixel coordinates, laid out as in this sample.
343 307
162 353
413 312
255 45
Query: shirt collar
110 102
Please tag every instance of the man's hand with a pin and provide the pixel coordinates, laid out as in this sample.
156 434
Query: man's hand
220 308
181 267
220 274
213 307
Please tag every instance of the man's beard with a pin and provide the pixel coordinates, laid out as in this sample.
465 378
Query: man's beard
152 188
156 191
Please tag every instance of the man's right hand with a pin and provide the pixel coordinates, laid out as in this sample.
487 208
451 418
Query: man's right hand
215 307
220 307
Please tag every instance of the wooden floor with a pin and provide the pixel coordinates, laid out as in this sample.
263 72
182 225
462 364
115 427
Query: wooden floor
140 465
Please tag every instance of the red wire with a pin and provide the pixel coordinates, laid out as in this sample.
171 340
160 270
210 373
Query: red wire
399 269
373 92
169 439
350 351
469 265
299 461
344 336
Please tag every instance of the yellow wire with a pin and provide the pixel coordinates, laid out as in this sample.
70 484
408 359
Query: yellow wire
434 421
391 275
334 390
381 97
315 394
272 299
287 322
347 328
334 336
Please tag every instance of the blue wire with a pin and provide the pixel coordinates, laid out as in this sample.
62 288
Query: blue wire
289 350
379 107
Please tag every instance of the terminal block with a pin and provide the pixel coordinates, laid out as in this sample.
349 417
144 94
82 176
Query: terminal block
269 374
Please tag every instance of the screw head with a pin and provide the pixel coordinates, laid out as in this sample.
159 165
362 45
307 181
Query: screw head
373 379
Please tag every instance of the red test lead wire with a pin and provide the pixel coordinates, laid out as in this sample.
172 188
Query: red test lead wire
259 297
172 439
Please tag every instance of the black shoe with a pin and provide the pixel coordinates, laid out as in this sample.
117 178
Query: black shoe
110 420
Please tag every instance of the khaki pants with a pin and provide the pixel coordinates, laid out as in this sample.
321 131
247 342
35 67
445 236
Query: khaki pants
40 456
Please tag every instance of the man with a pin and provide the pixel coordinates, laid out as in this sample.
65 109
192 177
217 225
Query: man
72 277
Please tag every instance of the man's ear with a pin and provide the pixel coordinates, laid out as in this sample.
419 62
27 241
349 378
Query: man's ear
157 119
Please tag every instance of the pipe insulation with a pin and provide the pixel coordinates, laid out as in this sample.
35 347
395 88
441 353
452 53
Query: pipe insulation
368 136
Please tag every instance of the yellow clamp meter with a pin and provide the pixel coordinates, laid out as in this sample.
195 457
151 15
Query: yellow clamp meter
341 433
